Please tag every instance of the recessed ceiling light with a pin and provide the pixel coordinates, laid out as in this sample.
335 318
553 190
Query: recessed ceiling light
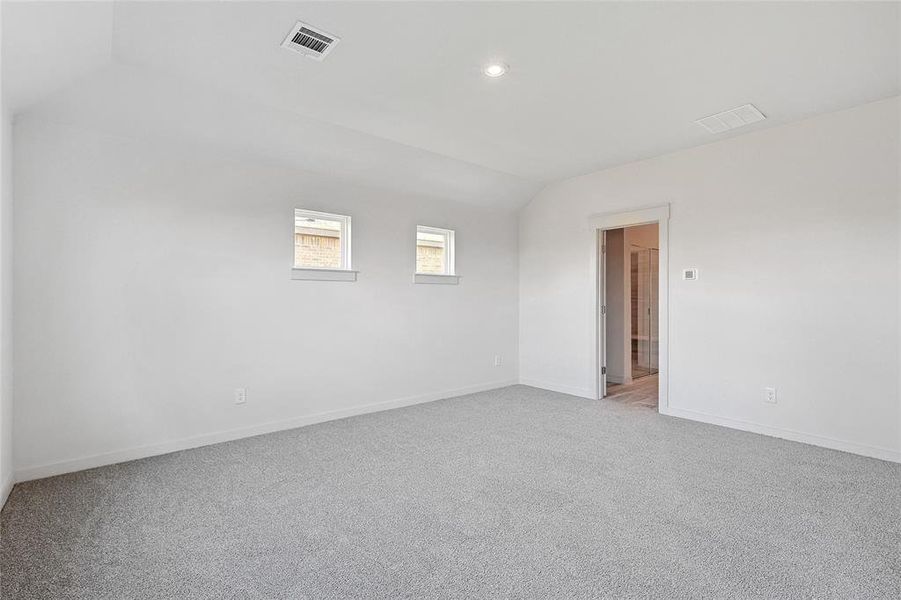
495 69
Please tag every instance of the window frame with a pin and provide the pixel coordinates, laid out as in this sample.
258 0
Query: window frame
448 235
345 271
450 262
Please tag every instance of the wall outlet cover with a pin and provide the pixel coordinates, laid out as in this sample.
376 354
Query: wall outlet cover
240 395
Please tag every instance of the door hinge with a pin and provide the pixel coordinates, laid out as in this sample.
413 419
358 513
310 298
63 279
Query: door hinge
603 370
603 248
603 310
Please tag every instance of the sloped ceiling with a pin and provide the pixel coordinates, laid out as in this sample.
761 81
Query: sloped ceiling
401 100
137 102
47 46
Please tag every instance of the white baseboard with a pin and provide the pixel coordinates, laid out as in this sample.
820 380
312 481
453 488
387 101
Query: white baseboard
5 488
127 454
786 434
558 387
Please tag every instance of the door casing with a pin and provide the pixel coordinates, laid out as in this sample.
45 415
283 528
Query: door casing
599 224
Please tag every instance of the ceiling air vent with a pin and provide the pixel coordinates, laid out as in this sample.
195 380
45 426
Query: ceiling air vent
731 119
309 41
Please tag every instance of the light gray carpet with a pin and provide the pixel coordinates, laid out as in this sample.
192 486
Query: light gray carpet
515 493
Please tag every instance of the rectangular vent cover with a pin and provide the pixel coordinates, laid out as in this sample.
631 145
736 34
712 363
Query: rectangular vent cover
310 41
731 119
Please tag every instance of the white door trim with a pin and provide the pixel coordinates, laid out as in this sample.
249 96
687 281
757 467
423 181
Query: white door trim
599 223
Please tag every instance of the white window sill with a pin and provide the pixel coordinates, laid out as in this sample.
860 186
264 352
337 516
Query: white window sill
323 274
432 278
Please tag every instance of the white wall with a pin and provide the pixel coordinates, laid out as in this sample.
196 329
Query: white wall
644 236
151 281
795 232
6 297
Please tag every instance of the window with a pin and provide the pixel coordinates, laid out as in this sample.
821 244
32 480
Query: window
321 245
434 255
434 250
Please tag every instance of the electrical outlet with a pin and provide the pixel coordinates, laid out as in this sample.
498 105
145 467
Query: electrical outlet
497 360
769 395
240 395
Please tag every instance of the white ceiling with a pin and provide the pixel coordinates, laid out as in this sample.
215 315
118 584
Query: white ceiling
49 45
140 103
591 85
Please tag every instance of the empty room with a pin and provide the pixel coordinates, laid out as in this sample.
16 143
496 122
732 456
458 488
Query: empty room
545 300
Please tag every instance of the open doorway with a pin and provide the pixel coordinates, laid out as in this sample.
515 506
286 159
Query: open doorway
630 309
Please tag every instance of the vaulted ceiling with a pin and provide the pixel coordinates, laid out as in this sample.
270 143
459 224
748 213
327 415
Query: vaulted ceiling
401 101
